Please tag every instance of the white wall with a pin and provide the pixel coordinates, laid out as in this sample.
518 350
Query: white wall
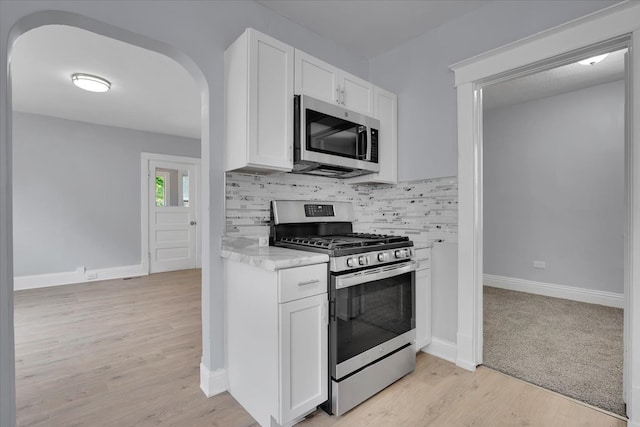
76 192
554 189
418 72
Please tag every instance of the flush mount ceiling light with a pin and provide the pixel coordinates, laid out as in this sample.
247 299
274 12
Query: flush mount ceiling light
593 60
90 82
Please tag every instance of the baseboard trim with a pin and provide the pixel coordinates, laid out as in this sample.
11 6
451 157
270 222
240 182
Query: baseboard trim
422 343
633 407
212 383
609 299
80 275
443 349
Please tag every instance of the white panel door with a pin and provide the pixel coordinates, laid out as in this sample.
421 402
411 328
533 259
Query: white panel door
316 78
423 308
358 94
270 103
172 216
304 361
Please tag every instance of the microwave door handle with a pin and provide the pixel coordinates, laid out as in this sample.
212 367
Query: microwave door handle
362 149
370 143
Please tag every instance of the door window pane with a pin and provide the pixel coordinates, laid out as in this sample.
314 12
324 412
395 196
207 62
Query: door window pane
185 191
161 194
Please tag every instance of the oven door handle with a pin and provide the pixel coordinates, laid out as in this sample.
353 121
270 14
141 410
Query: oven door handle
365 276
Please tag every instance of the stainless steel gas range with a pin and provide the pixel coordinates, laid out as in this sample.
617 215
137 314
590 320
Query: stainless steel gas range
371 297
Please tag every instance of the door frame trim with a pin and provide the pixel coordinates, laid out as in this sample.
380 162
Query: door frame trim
145 158
538 51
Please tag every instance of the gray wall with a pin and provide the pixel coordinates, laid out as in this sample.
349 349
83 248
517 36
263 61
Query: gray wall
554 189
76 192
418 71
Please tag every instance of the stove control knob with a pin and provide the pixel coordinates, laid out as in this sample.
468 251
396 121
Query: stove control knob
351 262
363 260
383 256
401 253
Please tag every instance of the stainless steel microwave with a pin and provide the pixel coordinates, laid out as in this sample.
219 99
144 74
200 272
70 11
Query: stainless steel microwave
332 141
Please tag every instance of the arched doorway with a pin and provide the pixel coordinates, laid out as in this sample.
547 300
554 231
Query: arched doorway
6 277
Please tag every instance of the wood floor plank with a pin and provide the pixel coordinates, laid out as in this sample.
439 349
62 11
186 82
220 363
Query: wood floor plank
127 353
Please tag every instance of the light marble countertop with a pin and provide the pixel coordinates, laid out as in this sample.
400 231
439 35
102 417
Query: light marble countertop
422 244
268 257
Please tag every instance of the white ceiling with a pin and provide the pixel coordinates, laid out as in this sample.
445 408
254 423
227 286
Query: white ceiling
554 82
368 28
153 93
149 91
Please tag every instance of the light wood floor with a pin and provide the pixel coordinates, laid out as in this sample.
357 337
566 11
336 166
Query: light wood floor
127 353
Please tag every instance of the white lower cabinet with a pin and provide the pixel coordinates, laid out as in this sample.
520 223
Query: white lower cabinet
303 350
423 299
277 338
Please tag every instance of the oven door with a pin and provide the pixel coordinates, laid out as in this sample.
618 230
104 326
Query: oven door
372 315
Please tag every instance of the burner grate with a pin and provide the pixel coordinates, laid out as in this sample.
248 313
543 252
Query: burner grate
350 240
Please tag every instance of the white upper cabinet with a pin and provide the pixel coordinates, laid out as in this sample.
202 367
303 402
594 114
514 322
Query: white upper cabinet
357 94
258 104
316 78
320 80
385 109
261 76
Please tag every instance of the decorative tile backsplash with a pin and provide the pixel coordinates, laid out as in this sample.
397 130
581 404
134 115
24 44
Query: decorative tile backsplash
425 210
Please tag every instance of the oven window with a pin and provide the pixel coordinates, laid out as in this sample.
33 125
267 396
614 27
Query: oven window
370 314
332 135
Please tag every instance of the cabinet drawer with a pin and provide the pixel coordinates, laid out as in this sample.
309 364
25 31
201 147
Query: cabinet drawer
301 282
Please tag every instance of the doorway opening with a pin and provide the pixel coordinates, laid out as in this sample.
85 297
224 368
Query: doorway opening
87 173
581 39
553 213
170 234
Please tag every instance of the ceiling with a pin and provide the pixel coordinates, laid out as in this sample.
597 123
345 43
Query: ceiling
151 92
554 82
369 28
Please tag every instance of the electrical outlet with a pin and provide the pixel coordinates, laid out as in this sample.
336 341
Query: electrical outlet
263 241
539 264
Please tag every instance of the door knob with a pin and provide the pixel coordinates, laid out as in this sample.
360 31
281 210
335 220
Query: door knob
192 223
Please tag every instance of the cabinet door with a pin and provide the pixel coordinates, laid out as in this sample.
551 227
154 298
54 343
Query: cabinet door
316 78
304 356
357 95
270 107
385 109
423 308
